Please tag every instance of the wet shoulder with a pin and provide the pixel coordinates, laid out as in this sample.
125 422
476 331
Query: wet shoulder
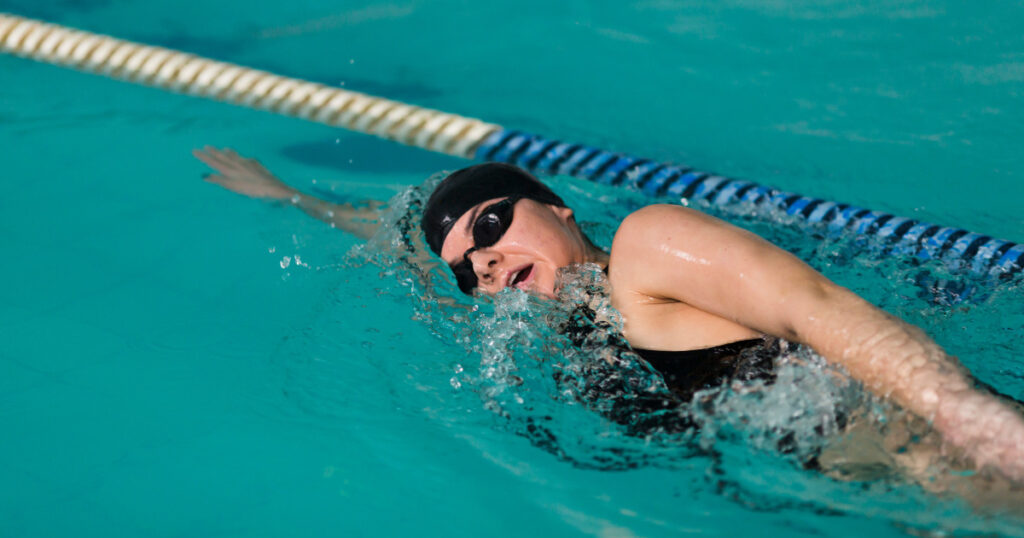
645 230
635 248
655 254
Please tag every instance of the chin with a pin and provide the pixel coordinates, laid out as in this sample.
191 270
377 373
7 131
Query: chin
547 294
544 282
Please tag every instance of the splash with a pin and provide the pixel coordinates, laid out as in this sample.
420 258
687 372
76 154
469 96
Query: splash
560 374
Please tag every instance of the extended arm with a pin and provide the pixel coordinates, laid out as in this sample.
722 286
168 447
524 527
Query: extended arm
249 177
720 269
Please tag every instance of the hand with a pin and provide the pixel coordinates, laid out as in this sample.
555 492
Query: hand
990 432
241 175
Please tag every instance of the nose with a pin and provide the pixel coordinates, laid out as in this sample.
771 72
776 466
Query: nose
485 265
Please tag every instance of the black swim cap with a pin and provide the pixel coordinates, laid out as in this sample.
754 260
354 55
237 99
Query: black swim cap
465 188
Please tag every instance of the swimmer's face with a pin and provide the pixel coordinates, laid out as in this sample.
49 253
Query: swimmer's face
539 240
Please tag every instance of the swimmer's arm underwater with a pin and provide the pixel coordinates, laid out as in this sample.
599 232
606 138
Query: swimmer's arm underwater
249 177
719 268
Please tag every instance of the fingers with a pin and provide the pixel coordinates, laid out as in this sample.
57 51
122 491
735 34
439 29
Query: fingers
229 156
207 158
209 155
241 175
230 184
221 160
216 179
219 156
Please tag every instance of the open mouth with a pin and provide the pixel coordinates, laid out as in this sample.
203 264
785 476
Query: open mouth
521 276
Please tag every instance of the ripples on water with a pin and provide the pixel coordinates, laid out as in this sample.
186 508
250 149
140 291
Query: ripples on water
535 383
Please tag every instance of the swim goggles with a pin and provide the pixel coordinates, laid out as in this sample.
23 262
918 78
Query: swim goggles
490 225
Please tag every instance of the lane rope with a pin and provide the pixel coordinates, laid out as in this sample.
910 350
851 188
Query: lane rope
978 253
190 74
474 139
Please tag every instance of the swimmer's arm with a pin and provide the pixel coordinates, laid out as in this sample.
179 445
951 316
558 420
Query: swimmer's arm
359 220
721 269
249 177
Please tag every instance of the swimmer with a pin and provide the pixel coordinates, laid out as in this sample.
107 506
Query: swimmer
695 294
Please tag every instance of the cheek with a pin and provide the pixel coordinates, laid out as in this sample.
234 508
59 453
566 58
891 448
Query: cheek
558 245
543 237
546 246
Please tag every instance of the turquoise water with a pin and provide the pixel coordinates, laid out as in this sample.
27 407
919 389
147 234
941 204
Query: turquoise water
180 361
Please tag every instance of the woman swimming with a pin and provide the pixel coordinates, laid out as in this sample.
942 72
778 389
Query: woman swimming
691 288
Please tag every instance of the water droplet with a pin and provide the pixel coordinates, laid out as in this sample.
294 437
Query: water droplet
456 384
285 262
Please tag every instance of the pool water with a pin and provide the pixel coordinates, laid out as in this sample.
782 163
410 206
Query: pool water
181 361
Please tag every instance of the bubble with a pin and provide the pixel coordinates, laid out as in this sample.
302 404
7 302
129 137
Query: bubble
285 262
797 414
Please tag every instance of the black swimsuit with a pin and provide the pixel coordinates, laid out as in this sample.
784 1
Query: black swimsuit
613 388
692 370
686 372
618 386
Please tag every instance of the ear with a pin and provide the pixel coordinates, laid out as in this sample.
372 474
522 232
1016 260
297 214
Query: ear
564 213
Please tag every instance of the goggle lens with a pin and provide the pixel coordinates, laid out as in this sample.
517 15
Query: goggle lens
491 224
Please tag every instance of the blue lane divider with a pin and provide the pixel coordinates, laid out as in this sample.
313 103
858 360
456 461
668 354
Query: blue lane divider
981 254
